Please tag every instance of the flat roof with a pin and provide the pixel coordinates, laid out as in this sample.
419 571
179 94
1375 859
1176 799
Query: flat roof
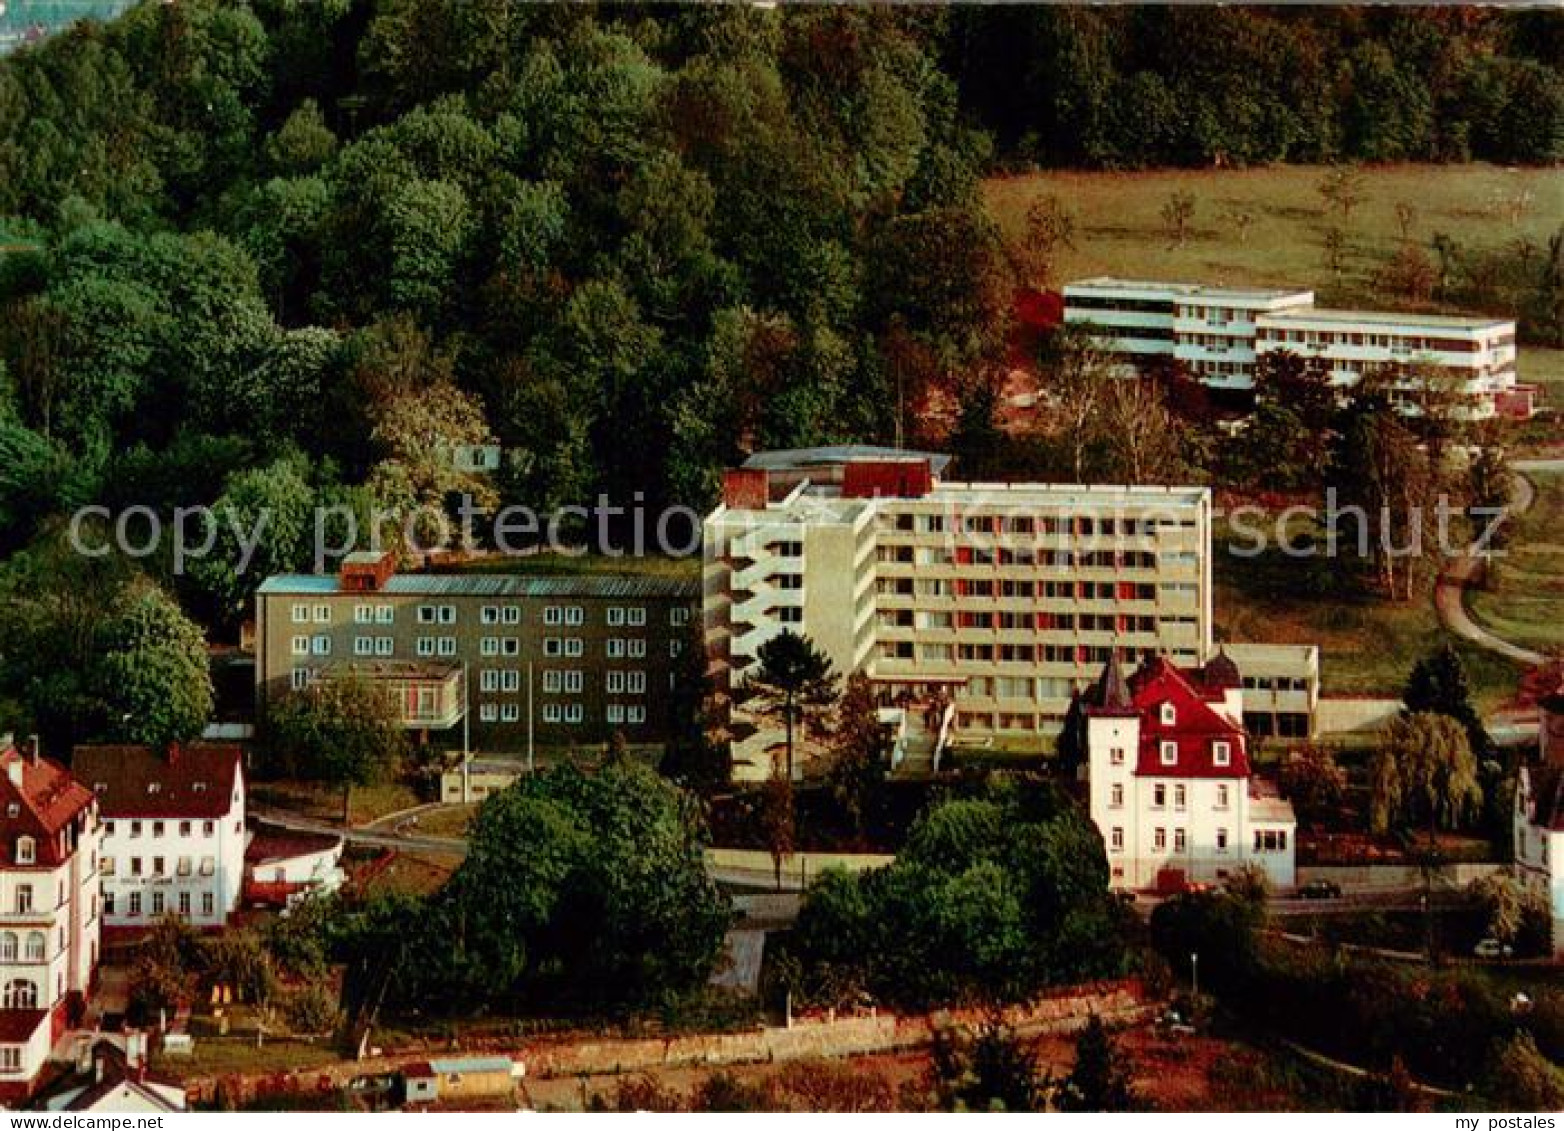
600 585
1212 290
797 459
1071 494
1392 318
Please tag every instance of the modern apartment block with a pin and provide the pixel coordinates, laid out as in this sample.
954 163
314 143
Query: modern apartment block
551 660
1211 331
987 605
50 924
1217 333
1475 357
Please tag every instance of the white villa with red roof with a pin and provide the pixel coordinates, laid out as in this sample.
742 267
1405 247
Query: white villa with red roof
50 841
1172 790
174 834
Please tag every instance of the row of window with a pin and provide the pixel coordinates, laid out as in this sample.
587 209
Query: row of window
134 904
1167 753
1030 590
561 713
186 828
614 615
1265 840
1159 796
1064 526
183 866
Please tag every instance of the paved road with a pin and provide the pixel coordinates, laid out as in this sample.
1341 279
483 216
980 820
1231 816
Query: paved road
1450 591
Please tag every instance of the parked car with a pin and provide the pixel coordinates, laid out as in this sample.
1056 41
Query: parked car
1492 948
1320 889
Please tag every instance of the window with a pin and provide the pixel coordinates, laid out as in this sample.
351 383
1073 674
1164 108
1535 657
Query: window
447 645
157 903
638 648
10 1058
20 994
490 615
208 903
1116 796
489 646
616 647
363 645
1180 797
635 714
157 865
510 680
157 826
510 646
1270 840
184 904
553 682
385 614
425 646
573 682
1159 839
510 712
25 850
552 712
1170 753
183 866
679 615
135 828
384 645
1221 797
1159 797
184 828
1221 840
135 903
7 947
616 616
573 713
1221 753
488 712
301 614
108 903
208 865
575 615
426 614
573 646
208 828
106 866
1180 842
1116 756
301 645
1169 715
637 616
322 614
489 681
135 865
363 614
510 614
36 946
299 679
616 713
616 682
321 646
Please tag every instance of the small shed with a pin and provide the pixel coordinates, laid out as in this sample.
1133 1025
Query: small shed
458 1078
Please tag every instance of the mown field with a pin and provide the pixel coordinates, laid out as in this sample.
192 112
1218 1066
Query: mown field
1120 230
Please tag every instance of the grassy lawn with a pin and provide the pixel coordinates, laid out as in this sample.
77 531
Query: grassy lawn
417 873
1120 232
571 565
324 802
1367 646
1546 368
450 822
1526 603
217 1056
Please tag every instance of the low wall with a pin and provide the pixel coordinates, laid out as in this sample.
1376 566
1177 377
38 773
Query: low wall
812 863
564 1055
1366 877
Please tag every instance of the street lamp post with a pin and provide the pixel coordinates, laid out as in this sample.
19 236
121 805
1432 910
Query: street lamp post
1194 974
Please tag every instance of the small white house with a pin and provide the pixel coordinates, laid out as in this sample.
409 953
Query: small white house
283 865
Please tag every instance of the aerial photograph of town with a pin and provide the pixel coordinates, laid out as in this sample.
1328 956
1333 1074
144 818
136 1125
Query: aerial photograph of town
780 557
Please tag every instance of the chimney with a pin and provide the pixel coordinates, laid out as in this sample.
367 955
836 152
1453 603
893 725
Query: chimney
34 749
13 768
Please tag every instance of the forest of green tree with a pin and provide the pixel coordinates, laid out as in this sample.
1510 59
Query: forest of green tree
264 252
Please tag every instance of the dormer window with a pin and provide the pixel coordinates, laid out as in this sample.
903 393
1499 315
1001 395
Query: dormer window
100 787
1169 714
13 810
1170 753
154 787
198 787
26 850
1222 753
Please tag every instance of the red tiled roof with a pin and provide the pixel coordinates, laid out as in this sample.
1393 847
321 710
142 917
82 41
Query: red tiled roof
137 781
46 800
18 1025
270 845
1196 728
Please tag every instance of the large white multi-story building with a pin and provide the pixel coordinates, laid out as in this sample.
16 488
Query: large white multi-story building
1171 788
50 924
1210 330
174 835
1217 333
984 605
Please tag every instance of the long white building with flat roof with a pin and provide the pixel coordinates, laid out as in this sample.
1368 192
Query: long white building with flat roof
980 608
1217 333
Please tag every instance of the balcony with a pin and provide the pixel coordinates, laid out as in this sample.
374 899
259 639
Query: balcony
427 695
